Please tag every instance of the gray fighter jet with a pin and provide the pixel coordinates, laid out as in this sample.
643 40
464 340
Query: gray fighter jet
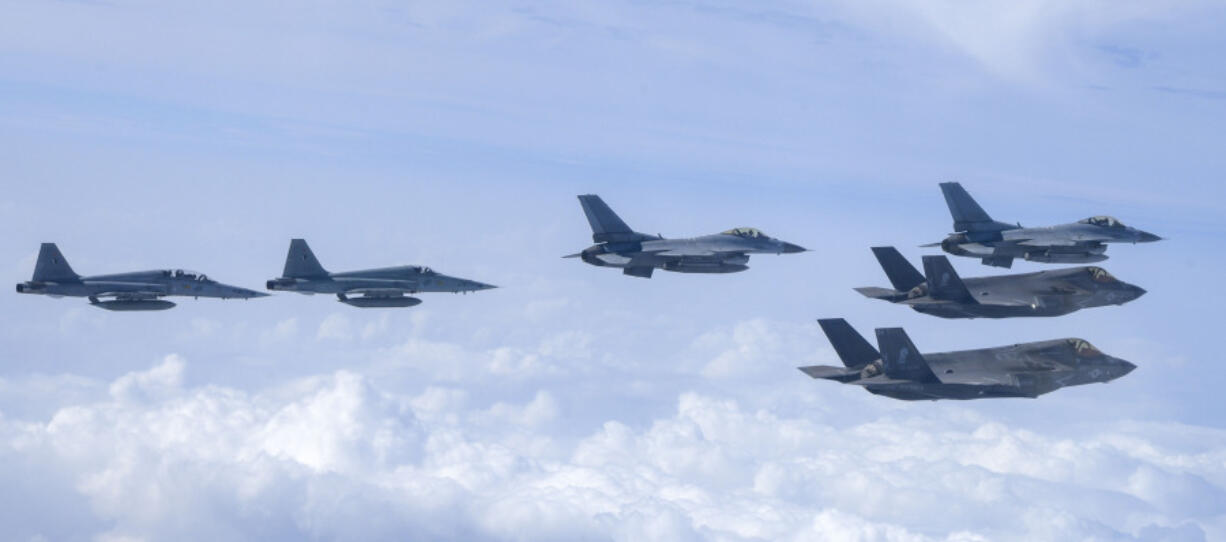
639 254
138 291
997 244
1021 370
383 287
940 292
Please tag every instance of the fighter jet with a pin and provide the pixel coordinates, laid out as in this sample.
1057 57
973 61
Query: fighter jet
940 292
1021 370
997 244
639 254
383 287
138 291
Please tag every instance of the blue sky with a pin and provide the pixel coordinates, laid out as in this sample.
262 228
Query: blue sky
573 402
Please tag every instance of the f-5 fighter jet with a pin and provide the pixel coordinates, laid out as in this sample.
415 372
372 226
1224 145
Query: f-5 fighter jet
997 244
1021 370
940 292
137 291
639 254
384 287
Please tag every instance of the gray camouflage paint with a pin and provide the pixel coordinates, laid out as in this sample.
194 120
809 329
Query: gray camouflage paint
638 254
1020 370
134 291
1044 293
977 235
367 288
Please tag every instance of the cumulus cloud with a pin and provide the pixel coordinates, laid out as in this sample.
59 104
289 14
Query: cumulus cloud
453 362
336 456
283 331
335 327
749 346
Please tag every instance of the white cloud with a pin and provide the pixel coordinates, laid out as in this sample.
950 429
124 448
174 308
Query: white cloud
335 456
453 363
283 331
335 327
749 346
158 382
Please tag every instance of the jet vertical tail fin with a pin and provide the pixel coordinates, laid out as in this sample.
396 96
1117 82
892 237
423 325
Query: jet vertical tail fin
606 225
899 357
51 265
301 262
902 274
968 215
944 282
850 346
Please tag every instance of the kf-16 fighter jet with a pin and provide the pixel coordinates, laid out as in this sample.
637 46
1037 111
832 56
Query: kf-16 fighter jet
384 287
138 291
639 254
1021 370
940 292
997 244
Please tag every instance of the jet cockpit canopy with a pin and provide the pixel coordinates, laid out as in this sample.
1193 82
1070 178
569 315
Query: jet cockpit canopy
748 233
1102 220
188 275
423 270
1101 275
1084 349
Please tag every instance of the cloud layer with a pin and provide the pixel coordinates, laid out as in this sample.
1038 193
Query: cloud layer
336 456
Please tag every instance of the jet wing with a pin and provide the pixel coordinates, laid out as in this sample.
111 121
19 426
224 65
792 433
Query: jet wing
1050 242
977 378
112 286
379 292
1057 239
681 252
130 295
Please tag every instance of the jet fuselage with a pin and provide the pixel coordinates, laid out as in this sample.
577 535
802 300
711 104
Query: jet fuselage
1044 293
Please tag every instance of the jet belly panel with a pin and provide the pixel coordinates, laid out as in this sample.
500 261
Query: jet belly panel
350 284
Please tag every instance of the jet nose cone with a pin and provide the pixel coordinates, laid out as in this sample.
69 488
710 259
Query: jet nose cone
476 286
1126 367
1137 291
790 248
1146 237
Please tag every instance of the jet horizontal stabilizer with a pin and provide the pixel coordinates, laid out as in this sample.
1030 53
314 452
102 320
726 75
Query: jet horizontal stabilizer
874 292
827 372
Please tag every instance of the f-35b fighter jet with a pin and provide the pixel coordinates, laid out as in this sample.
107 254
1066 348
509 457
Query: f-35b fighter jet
137 291
997 244
384 287
940 292
1021 370
639 254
